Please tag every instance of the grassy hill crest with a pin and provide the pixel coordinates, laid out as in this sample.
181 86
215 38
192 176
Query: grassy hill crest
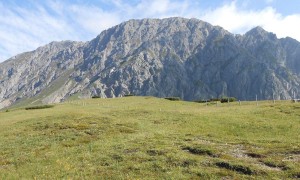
152 138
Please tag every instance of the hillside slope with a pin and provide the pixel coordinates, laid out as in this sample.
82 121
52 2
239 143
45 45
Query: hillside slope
151 138
181 57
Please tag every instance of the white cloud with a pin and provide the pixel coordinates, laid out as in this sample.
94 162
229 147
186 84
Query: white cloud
93 19
23 30
240 21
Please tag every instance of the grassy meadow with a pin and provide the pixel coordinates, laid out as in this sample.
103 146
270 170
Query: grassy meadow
151 138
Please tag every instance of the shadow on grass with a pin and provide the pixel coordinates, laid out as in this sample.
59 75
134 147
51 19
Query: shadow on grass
237 168
39 107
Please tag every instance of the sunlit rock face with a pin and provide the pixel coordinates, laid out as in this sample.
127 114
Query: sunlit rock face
180 57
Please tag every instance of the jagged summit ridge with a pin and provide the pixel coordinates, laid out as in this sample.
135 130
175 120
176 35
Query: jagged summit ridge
257 30
181 57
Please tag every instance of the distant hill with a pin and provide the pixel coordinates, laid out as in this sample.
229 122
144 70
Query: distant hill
180 57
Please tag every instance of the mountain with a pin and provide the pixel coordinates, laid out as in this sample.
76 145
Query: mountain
181 57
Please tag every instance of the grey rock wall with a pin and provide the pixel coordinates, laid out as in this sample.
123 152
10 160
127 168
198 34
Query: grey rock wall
180 57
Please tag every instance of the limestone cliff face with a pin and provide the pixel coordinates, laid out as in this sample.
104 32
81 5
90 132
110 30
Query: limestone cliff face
32 73
181 57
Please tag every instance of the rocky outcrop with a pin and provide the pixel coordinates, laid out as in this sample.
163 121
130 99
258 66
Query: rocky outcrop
30 74
181 57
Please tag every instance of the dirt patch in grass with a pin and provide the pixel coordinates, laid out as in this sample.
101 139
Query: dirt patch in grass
131 151
238 168
117 157
238 151
255 155
180 162
188 163
292 158
154 152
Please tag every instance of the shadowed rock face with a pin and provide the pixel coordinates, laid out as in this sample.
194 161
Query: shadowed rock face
181 57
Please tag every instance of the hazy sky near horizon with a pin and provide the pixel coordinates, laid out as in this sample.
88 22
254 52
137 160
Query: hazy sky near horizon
28 24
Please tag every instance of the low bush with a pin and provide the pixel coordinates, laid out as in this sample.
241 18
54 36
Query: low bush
39 107
227 99
215 99
202 101
128 95
199 150
94 97
173 98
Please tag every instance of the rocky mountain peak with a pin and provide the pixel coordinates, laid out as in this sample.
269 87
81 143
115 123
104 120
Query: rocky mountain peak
257 30
188 58
259 33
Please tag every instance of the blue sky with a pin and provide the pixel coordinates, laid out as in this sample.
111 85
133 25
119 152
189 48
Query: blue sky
28 24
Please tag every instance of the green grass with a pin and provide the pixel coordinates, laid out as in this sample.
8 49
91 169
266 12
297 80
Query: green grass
151 138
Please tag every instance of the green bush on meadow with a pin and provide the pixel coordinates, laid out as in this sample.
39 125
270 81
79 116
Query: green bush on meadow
39 107
173 98
227 99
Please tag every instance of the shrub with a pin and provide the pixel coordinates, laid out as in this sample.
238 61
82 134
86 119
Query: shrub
201 101
39 107
173 98
128 95
225 99
215 99
199 151
94 97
